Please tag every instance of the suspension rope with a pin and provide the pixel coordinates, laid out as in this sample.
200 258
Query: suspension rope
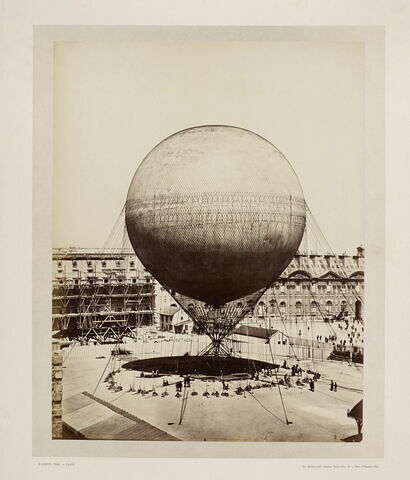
277 382
114 231
284 326
69 351
105 368
183 404
270 412
116 349
330 250
173 343
313 349
331 329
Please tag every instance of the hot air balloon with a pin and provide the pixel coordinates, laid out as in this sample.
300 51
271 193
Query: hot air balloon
215 213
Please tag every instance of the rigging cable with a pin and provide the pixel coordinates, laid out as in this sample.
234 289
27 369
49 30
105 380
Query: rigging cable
271 413
183 404
284 326
98 383
280 393
337 260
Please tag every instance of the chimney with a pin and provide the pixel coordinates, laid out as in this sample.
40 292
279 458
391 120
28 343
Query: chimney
360 252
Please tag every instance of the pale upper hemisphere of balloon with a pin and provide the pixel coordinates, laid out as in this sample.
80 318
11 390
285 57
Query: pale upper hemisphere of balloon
215 159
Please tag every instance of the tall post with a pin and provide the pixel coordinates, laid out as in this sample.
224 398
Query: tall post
57 391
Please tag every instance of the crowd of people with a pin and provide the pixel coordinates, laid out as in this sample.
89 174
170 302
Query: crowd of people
294 376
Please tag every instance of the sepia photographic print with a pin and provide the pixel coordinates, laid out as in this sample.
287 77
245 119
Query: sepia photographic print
209 214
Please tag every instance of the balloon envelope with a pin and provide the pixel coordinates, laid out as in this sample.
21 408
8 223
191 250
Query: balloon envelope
215 213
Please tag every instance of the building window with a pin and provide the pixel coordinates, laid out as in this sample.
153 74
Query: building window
298 306
282 308
118 263
329 307
132 264
272 304
261 308
75 266
103 264
313 308
134 280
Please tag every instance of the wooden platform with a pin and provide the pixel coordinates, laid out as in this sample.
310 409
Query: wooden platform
91 418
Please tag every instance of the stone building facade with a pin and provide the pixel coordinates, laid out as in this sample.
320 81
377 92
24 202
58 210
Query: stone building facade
321 286
175 319
100 293
96 291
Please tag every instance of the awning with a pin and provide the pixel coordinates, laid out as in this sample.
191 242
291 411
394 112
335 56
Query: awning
257 332
357 411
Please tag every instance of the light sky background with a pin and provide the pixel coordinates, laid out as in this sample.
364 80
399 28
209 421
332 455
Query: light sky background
113 102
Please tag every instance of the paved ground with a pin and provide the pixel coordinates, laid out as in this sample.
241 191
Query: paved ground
94 419
157 344
253 416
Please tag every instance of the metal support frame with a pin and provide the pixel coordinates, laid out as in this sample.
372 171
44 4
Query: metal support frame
120 317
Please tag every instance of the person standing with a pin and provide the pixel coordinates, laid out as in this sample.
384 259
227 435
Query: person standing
331 386
335 387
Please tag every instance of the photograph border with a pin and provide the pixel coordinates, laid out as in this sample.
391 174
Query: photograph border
372 444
